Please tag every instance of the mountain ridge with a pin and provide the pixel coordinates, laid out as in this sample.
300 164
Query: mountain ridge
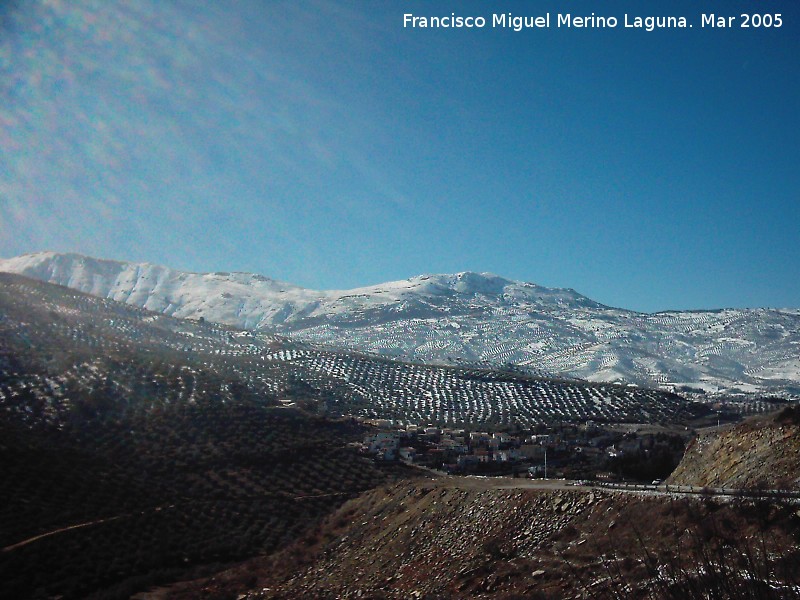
38 264
472 317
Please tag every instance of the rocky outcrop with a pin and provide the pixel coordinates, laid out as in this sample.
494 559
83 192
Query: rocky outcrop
762 452
422 540
457 538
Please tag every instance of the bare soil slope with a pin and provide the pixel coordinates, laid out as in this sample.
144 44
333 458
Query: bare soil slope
761 452
454 538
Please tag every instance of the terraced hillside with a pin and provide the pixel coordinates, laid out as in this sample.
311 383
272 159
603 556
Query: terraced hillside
477 318
466 396
134 451
118 504
40 319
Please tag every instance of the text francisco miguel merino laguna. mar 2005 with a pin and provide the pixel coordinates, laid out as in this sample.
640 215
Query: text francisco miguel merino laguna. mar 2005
591 21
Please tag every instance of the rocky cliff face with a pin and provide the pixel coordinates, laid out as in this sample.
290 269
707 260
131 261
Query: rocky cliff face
762 452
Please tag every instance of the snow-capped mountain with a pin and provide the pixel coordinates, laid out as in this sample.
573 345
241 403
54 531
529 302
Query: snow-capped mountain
474 317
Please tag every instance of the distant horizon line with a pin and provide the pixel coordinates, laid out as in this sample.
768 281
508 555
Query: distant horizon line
389 281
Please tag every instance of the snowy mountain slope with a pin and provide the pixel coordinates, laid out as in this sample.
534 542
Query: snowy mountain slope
58 346
467 317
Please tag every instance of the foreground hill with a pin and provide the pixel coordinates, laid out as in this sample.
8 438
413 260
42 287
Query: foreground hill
762 452
472 317
461 538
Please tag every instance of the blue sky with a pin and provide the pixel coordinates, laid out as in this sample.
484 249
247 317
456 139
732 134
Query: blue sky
321 143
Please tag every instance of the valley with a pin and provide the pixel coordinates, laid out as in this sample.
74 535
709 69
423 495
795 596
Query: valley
138 449
330 300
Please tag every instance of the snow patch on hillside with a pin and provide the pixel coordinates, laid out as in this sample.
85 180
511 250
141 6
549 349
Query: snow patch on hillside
466 317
